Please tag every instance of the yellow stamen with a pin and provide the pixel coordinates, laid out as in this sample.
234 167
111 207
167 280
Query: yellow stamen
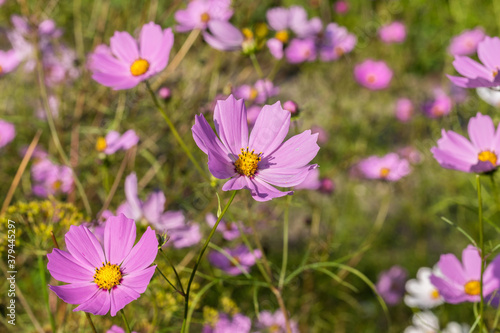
435 294
139 67
384 172
253 93
205 17
247 33
282 36
56 185
473 287
371 78
107 276
247 163
488 156
101 144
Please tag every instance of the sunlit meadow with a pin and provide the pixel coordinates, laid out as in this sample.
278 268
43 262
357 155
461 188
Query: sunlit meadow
249 166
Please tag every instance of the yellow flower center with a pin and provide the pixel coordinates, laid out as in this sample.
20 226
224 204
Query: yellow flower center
384 172
253 94
247 33
139 67
488 156
435 294
282 36
101 144
472 287
205 17
247 163
107 276
371 78
56 185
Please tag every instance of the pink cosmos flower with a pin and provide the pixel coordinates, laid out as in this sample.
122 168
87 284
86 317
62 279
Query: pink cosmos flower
300 50
199 13
223 36
476 74
164 93
460 282
282 19
275 322
117 329
389 167
341 7
51 179
466 43
108 276
336 42
453 151
261 160
291 107
374 75
125 64
237 324
394 32
7 133
241 254
258 93
327 186
440 106
230 230
9 60
391 284
404 109
114 142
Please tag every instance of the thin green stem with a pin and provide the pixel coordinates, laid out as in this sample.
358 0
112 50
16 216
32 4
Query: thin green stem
127 326
200 256
41 269
256 65
89 319
284 262
481 246
170 282
174 131
175 271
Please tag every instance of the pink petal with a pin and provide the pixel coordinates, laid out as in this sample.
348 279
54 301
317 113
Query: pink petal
119 237
296 152
285 177
488 51
142 254
154 206
139 280
121 296
236 183
451 293
471 69
75 293
219 165
452 269
261 191
84 247
230 119
132 196
471 260
205 137
63 267
98 304
481 132
124 47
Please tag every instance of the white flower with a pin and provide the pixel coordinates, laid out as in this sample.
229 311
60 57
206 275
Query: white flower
490 95
454 327
421 292
427 322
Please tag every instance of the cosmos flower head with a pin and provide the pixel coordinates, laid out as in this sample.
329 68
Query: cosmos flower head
115 141
301 50
258 93
479 155
460 281
126 62
257 161
275 322
336 42
374 75
389 167
440 106
240 254
394 32
7 133
422 293
104 277
390 284
466 42
199 13
475 74
51 179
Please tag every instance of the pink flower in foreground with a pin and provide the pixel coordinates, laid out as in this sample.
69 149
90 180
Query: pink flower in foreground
374 75
200 12
8 61
453 151
260 160
108 276
393 33
125 64
389 167
476 74
404 109
460 281
7 132
391 284
466 43
114 142
240 254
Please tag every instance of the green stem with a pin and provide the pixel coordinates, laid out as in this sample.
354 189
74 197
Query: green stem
89 319
200 256
481 246
174 131
127 326
285 244
256 65
169 282
175 271
41 269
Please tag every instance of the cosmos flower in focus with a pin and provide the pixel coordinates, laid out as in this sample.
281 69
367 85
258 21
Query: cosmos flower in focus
394 32
466 43
389 167
374 75
125 63
199 13
460 281
422 293
484 74
258 161
114 142
480 154
240 254
7 132
104 277
391 284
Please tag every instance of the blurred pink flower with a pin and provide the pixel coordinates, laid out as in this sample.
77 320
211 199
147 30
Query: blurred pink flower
51 179
322 134
453 151
291 107
125 64
404 109
300 50
114 142
238 323
341 7
117 329
312 181
327 186
9 60
259 93
394 32
275 322
411 154
391 284
440 106
164 93
230 230
336 42
223 36
374 75
241 254
293 19
199 13
466 43
54 108
389 167
7 133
